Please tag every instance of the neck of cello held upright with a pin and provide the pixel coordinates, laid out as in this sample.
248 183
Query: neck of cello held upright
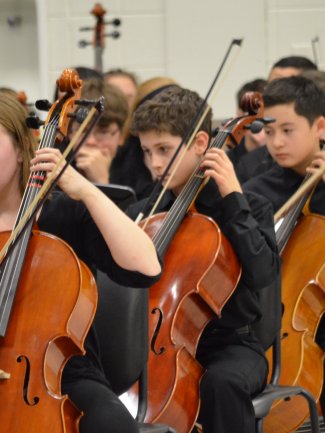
99 59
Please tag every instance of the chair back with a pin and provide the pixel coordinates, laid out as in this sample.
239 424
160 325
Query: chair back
269 326
121 323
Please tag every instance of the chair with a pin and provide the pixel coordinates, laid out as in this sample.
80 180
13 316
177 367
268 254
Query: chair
262 402
121 322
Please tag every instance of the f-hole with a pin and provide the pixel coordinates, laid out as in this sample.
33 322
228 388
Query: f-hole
156 332
22 358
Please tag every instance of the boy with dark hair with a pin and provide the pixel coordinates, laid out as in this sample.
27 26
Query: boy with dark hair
236 367
298 106
294 141
289 66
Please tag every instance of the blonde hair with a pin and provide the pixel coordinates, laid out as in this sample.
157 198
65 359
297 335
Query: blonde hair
145 90
13 119
150 86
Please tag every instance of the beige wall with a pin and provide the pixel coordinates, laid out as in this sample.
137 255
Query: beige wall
185 39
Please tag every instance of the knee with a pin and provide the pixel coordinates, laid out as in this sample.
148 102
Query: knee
215 380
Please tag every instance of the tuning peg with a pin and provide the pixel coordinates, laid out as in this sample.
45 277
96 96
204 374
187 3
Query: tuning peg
43 105
256 126
34 122
83 44
113 35
79 115
85 102
85 29
267 120
116 22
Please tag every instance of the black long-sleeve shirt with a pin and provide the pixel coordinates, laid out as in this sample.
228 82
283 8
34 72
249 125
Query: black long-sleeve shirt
278 184
70 221
249 164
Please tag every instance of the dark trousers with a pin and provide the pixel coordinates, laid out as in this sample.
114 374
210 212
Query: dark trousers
320 339
235 372
103 411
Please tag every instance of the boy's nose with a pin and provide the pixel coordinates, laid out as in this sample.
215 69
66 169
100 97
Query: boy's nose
277 141
155 161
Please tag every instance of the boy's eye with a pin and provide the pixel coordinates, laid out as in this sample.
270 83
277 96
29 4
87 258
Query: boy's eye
146 152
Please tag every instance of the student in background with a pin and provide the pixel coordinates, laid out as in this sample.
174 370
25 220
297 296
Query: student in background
95 157
289 66
294 142
251 158
125 81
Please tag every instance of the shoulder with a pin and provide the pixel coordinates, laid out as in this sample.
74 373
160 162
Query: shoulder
277 185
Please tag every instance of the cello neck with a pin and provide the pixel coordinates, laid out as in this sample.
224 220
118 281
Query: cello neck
184 200
99 59
289 221
12 264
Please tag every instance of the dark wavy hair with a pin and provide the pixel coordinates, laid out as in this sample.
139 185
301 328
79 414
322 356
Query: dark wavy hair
171 111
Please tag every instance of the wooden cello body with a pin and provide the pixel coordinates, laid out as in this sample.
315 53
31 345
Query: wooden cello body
201 272
47 302
48 324
303 294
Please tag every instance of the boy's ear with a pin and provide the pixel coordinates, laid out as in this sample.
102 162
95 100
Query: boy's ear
201 142
320 125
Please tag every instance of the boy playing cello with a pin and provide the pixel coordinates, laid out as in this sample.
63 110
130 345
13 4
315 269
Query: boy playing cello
236 367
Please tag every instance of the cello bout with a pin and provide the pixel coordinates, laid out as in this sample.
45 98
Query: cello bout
49 321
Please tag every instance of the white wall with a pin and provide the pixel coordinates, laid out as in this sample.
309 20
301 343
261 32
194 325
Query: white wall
185 39
19 66
197 37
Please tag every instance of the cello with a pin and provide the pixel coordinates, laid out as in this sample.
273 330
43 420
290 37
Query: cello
201 272
44 317
301 244
99 34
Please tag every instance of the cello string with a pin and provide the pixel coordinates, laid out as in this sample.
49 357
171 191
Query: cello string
47 141
289 220
11 264
181 203
178 205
